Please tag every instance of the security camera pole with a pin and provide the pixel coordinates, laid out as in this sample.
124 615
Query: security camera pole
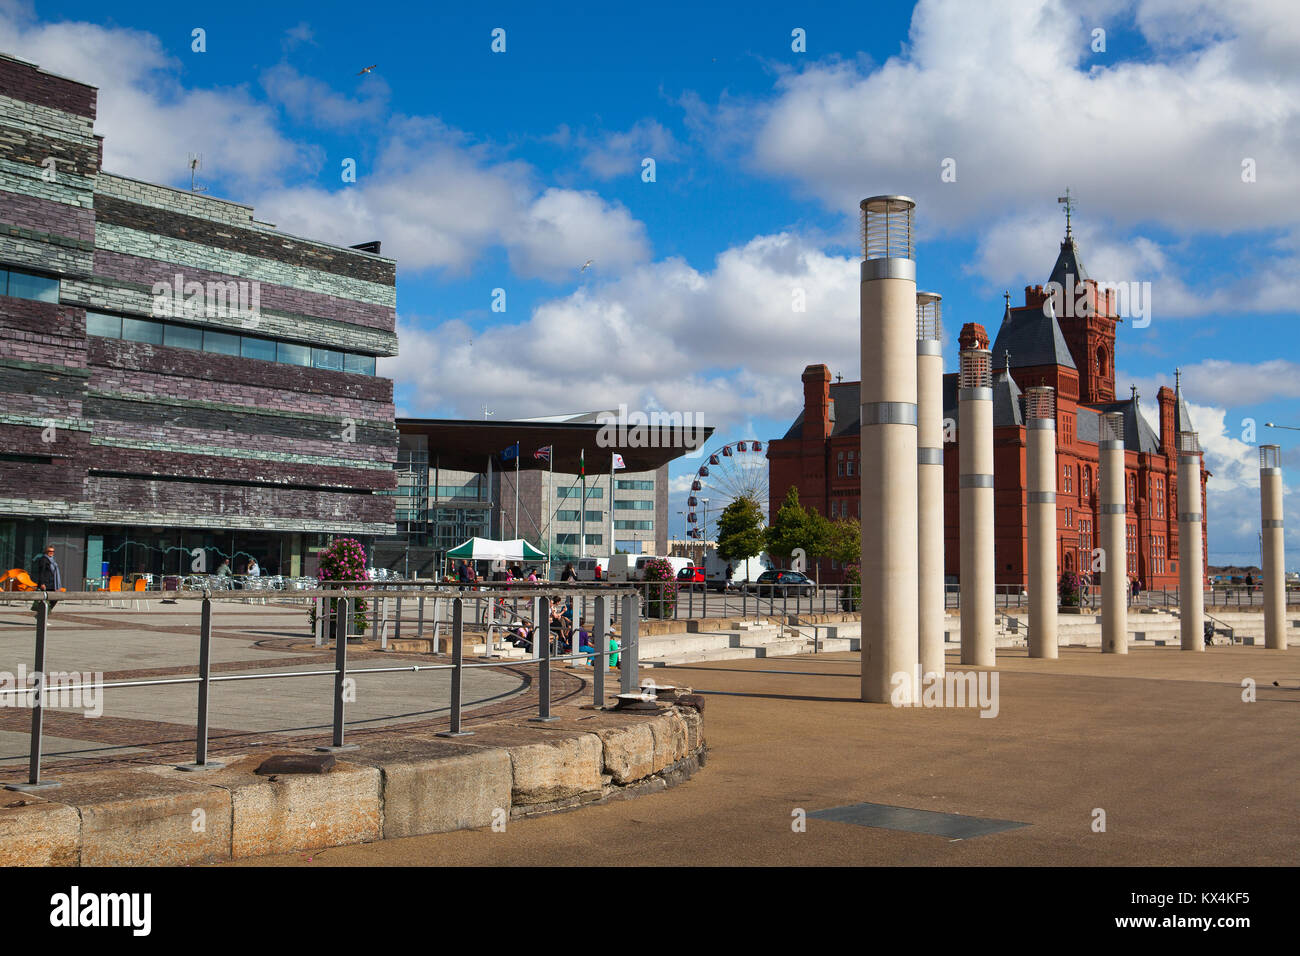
1040 462
975 517
1273 558
929 481
888 447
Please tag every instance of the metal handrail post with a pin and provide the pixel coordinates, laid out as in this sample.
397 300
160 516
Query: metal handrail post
34 781
343 616
457 667
542 638
201 761
397 624
628 651
599 641
419 612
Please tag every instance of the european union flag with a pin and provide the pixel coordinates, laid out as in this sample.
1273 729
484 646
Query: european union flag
511 452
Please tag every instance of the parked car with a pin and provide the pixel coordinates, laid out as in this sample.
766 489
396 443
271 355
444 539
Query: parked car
776 583
692 577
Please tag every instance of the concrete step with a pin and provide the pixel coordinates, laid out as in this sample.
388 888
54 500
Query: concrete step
781 648
699 657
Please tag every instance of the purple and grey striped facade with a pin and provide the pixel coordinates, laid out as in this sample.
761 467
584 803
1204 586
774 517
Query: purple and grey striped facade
101 432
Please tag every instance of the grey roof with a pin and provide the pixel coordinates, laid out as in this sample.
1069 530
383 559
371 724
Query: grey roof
1008 409
845 411
1032 339
1182 417
1138 435
1068 263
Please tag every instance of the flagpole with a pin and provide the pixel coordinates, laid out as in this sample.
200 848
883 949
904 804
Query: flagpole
611 503
550 463
582 512
518 450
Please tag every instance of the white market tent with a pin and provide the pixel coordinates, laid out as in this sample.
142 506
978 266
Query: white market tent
485 549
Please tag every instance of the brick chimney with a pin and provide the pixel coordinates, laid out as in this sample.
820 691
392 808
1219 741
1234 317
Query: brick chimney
817 402
1168 440
972 336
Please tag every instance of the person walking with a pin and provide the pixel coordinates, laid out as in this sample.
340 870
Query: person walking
48 576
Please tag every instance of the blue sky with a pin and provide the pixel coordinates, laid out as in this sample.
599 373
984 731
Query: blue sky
482 171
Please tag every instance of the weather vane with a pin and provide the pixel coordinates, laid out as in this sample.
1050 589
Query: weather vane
1069 207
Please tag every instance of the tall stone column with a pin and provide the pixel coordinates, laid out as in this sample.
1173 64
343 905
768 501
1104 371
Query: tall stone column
888 456
1191 567
929 481
1114 532
1274 557
975 467
1040 462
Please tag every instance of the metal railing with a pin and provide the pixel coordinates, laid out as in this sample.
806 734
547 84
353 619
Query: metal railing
343 619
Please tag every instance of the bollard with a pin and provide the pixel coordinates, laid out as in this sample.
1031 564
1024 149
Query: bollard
419 623
458 667
397 624
628 650
542 639
201 761
600 642
320 621
342 615
34 781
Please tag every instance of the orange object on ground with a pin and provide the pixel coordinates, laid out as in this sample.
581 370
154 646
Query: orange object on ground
16 579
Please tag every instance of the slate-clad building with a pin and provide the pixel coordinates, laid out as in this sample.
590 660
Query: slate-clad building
1076 356
174 373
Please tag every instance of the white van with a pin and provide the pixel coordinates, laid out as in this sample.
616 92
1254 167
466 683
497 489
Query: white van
638 571
742 572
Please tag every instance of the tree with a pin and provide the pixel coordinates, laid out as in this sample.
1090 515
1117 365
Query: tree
819 534
740 530
846 541
789 529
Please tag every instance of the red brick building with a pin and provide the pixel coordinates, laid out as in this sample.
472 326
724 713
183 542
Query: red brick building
1076 356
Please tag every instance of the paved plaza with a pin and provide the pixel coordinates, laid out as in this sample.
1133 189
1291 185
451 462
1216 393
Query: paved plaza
1186 772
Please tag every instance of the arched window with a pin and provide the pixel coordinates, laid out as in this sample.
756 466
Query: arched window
1101 360
1085 481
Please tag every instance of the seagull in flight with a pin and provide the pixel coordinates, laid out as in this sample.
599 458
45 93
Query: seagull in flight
368 69
586 265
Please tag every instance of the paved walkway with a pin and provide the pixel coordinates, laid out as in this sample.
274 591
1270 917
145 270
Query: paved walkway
1159 739
148 724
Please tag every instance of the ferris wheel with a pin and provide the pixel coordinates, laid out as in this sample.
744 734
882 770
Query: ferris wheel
736 470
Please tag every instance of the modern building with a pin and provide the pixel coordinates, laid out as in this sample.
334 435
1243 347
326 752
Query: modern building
181 382
457 479
1076 356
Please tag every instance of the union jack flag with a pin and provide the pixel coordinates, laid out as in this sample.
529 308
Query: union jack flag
543 453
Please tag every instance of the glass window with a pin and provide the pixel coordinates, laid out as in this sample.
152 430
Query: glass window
566 515
594 538
255 348
109 326
223 343
290 354
634 506
4 282
142 330
183 336
632 484
327 358
633 525
23 285
361 364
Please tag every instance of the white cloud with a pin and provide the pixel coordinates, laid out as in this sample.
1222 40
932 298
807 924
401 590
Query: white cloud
308 99
664 335
564 228
1015 95
621 153
149 120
